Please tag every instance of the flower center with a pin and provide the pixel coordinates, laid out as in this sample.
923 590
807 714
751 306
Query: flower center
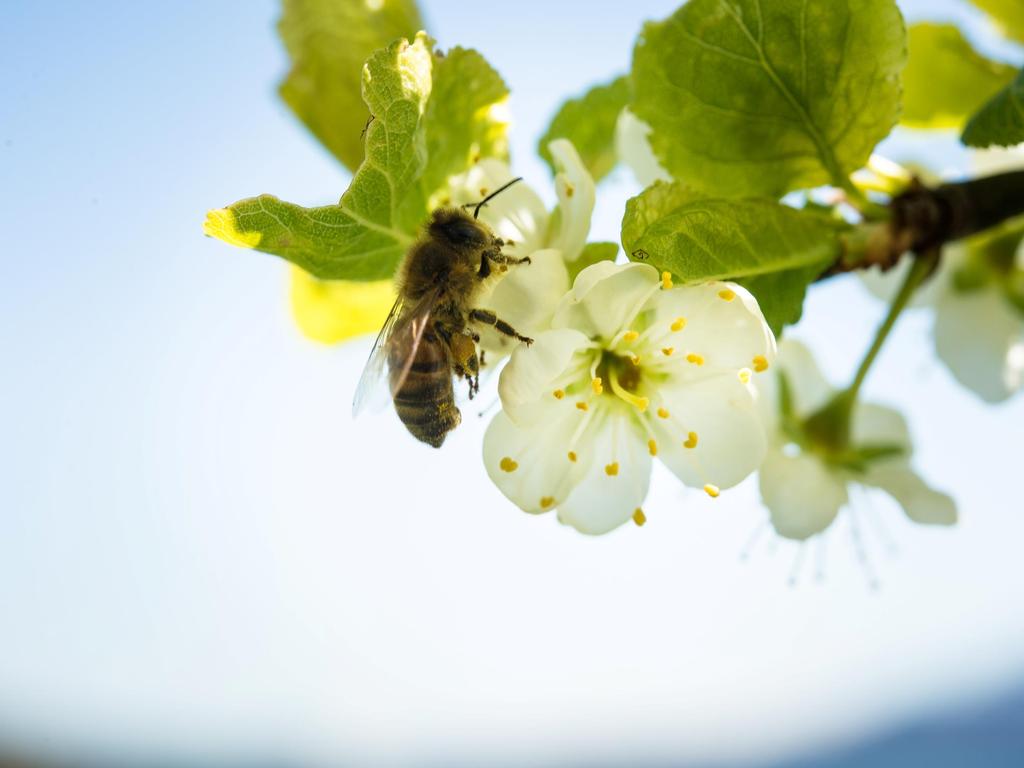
623 375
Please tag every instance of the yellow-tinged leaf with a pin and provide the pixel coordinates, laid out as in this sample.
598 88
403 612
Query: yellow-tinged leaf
940 54
331 311
222 224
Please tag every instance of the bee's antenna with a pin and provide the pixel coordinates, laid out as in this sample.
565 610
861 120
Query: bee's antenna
494 194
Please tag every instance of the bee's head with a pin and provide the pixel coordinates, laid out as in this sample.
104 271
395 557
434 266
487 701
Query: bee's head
456 228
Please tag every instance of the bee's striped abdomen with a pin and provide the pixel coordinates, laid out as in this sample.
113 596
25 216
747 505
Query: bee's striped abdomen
425 402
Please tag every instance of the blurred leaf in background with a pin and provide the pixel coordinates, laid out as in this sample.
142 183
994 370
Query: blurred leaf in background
939 53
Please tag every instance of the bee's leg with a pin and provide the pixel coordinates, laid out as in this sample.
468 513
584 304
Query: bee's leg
503 258
482 361
487 317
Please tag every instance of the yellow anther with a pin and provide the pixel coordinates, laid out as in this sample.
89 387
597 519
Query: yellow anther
744 375
559 394
711 490
678 324
508 465
630 336
667 351
760 363
639 517
695 359
483 191
652 447
569 189
572 456
666 280
662 413
691 440
546 501
581 405
635 360
596 384
611 469
727 294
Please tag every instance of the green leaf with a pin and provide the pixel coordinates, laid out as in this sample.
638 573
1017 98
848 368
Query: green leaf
1007 14
464 120
939 54
747 97
589 123
328 41
434 116
364 236
591 254
1001 121
773 250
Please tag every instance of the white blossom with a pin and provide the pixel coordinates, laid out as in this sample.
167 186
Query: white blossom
978 330
634 149
526 296
805 487
632 369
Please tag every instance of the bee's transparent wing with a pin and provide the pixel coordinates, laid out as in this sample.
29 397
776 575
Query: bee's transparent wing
402 331
371 389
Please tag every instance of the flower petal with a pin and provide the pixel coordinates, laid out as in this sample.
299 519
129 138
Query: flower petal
633 149
576 196
531 466
723 324
802 495
807 386
617 478
525 297
535 372
921 503
517 215
605 298
877 424
980 337
330 311
708 432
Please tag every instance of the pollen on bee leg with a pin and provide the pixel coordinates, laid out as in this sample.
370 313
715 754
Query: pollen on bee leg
760 363
572 456
744 375
663 413
611 469
507 464
711 490
666 280
559 394
652 447
691 440
546 502
596 384
678 324
694 358
727 294
639 517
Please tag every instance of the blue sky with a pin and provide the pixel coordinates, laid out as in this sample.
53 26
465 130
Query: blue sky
201 553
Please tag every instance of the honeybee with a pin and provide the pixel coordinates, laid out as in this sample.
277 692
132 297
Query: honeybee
427 337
